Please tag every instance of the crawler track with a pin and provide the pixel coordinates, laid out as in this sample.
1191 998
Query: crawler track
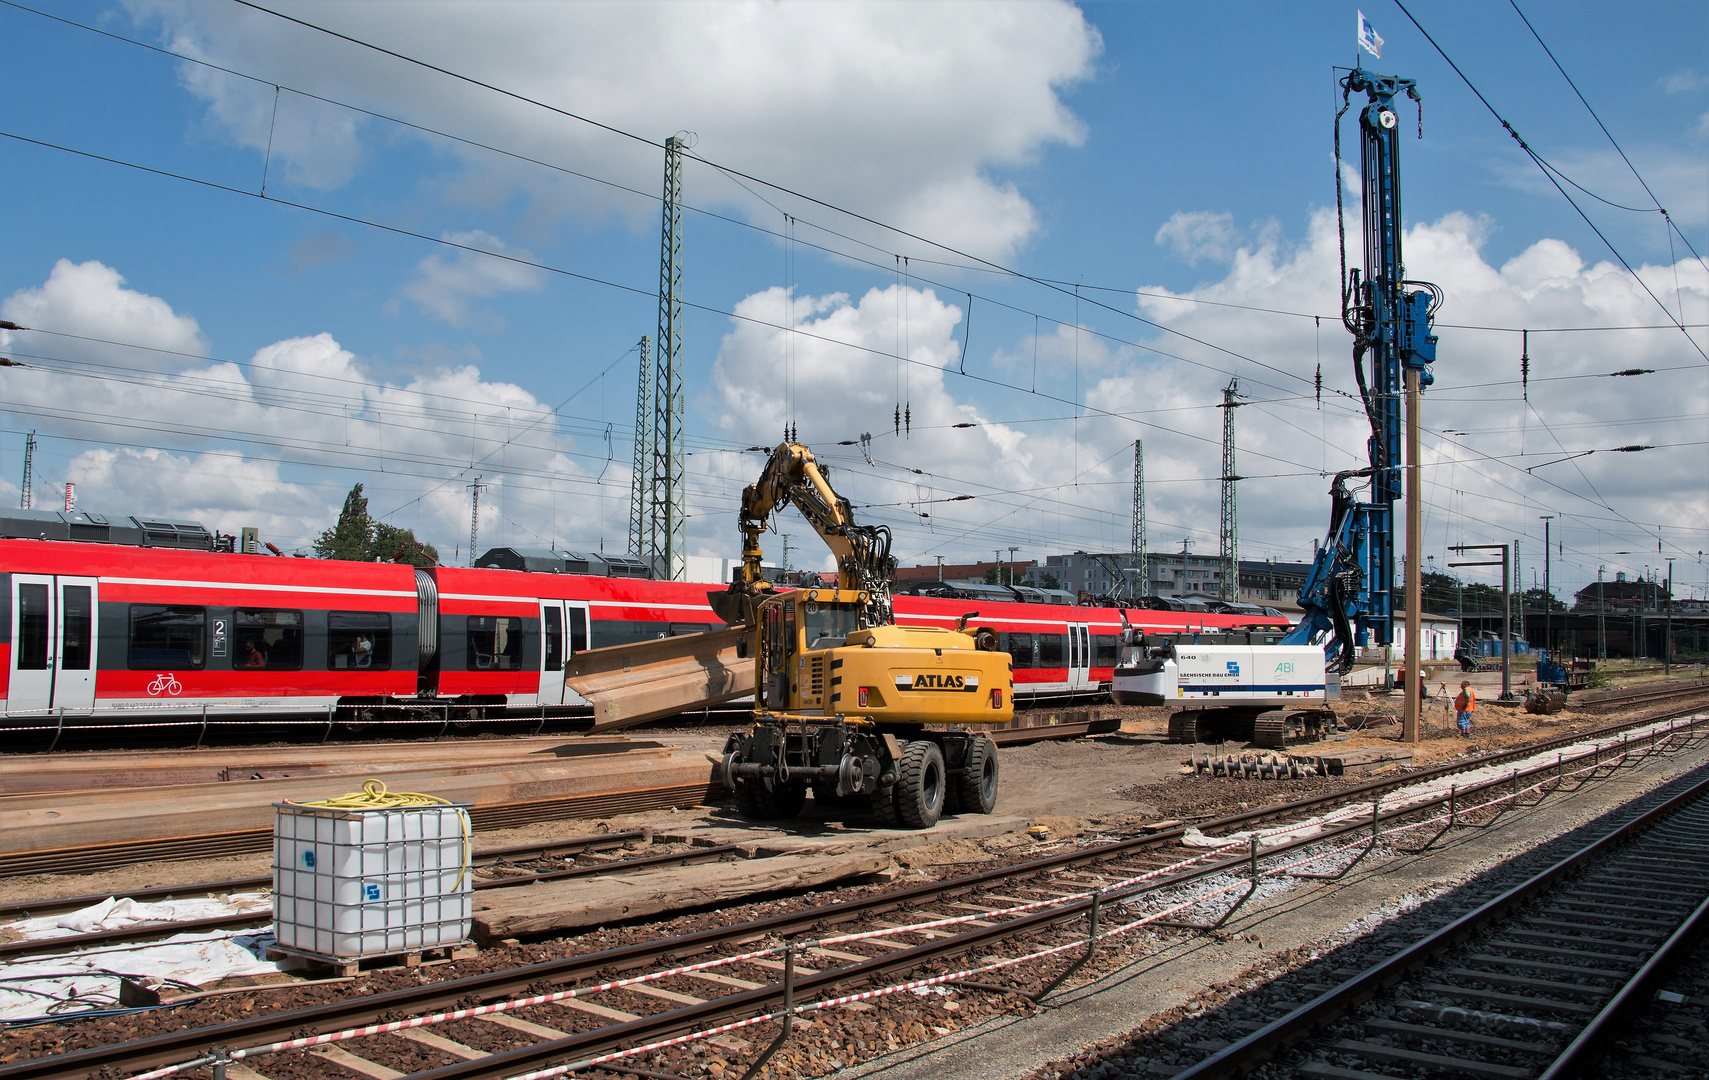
1529 985
652 990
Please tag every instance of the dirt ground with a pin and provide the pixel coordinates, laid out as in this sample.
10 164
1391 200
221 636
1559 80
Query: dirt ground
1111 782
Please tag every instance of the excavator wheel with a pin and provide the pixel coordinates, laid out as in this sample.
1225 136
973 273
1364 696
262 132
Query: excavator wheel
1184 726
975 790
1270 729
921 784
756 802
883 805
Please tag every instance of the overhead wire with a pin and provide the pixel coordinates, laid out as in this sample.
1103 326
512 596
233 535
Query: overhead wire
1549 172
735 174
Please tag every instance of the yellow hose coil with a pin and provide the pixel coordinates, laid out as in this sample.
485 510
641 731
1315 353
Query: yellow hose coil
374 796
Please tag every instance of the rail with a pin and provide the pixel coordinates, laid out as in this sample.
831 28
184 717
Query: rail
1287 855
1289 1031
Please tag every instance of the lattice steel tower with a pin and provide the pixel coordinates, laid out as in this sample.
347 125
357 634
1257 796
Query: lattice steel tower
29 468
1230 550
1141 560
669 525
641 483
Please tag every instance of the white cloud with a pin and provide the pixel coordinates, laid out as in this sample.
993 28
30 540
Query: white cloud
1683 81
1547 285
900 111
1199 234
277 440
447 282
90 299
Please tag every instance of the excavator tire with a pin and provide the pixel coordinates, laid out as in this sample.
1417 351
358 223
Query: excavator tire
756 802
975 790
1184 726
883 805
921 784
1270 730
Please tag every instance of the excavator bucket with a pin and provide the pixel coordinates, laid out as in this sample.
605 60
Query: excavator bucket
630 684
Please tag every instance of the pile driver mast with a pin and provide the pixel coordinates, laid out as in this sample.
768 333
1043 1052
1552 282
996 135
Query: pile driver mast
1349 591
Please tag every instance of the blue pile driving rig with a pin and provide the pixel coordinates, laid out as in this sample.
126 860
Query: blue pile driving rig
1348 595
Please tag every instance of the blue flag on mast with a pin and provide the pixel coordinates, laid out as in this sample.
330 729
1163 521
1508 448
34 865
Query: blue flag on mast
1368 39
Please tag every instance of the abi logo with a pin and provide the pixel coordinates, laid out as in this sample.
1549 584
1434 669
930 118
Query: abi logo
1286 667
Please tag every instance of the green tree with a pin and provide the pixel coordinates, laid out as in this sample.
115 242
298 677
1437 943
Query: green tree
1000 575
353 537
393 544
1539 599
359 538
1051 582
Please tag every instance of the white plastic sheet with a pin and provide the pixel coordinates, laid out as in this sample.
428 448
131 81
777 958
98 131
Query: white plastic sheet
89 979
115 913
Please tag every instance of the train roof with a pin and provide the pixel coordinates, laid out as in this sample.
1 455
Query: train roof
84 527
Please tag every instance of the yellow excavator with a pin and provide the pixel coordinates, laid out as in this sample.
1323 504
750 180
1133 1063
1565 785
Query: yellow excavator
842 694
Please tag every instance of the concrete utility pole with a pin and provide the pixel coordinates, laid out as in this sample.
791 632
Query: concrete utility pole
1506 606
1667 639
1140 559
1414 562
1548 593
670 509
1601 623
1230 510
641 482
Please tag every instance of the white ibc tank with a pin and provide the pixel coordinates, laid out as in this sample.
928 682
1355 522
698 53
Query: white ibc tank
350 883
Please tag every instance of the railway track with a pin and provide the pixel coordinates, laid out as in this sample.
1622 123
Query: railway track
504 858
1531 984
1033 923
1621 700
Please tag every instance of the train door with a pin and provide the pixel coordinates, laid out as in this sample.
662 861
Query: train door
552 652
53 644
1079 656
578 638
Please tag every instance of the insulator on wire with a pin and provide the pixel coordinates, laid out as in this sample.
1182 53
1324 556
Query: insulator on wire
898 418
1320 386
1525 364
908 419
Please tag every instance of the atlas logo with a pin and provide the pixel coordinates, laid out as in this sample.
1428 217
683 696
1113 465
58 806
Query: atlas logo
938 682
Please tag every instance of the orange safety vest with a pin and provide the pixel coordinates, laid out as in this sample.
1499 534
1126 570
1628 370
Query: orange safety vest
1466 701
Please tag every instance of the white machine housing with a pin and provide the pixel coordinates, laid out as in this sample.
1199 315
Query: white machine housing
1192 674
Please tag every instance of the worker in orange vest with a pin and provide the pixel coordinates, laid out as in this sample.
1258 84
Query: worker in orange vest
1465 703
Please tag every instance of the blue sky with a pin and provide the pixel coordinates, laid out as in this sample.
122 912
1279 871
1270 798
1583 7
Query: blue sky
1170 149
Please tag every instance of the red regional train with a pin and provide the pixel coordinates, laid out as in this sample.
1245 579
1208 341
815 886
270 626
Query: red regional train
137 620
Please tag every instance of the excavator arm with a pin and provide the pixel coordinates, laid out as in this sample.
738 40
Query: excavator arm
864 563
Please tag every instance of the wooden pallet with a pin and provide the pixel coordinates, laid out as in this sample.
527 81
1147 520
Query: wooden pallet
346 967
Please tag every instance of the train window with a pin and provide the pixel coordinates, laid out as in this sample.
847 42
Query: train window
166 637
552 626
495 643
358 639
76 627
1050 651
267 640
1106 650
1021 650
32 627
578 630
